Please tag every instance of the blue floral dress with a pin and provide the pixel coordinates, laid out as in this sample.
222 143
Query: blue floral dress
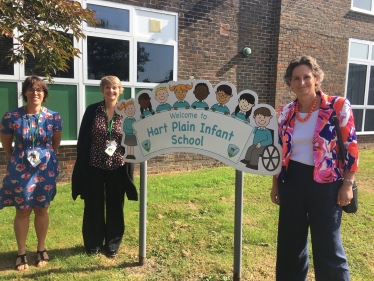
25 186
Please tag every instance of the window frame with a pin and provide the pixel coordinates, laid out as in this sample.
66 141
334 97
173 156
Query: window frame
368 63
363 10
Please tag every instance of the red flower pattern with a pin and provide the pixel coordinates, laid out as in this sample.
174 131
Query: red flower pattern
18 200
38 178
18 189
31 188
40 198
20 167
48 187
26 176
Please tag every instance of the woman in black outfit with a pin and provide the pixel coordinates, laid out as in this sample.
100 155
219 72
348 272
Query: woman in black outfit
100 175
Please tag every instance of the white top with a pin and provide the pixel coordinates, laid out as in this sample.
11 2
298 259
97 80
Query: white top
302 139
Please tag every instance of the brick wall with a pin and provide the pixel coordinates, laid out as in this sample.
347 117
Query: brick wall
321 29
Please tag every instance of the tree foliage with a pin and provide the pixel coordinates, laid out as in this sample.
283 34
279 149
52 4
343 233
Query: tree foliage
40 28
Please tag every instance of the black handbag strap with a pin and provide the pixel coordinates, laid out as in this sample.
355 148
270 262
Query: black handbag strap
342 150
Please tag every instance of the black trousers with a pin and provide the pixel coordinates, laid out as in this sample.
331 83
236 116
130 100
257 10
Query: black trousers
306 204
103 218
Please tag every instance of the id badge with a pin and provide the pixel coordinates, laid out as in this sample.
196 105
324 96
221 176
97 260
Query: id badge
33 158
111 148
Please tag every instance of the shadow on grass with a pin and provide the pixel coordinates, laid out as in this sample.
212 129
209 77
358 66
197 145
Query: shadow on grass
7 261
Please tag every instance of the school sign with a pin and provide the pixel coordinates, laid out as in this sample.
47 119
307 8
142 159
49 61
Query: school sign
192 116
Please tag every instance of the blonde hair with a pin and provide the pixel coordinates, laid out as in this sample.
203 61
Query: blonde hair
110 80
160 89
123 104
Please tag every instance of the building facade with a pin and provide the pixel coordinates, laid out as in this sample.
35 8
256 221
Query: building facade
146 42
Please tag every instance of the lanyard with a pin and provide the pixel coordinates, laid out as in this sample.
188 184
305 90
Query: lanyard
35 133
110 125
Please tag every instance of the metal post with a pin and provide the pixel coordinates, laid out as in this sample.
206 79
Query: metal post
143 213
238 225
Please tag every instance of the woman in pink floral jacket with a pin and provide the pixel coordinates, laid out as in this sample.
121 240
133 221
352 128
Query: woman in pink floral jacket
314 183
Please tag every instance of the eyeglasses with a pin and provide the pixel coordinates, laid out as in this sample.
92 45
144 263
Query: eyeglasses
38 91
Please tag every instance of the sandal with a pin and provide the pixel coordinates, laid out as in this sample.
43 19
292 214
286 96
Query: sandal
41 255
23 261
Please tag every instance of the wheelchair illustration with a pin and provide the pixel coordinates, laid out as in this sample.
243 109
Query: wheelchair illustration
270 156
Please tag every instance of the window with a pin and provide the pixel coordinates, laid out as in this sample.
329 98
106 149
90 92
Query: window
363 6
155 63
5 45
31 62
360 84
106 56
111 18
136 44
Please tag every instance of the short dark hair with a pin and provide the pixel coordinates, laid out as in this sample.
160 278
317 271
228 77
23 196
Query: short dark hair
264 111
308 61
29 82
225 88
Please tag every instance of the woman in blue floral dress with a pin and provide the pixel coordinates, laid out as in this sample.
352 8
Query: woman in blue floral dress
30 180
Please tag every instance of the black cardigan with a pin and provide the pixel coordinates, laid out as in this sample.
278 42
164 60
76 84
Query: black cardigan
81 167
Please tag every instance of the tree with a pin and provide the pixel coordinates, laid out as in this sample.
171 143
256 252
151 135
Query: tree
41 29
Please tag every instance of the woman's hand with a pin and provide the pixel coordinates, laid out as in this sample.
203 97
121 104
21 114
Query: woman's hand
56 140
6 141
345 194
274 196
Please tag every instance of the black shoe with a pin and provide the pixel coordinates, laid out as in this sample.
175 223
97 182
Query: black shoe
111 254
244 161
23 261
93 252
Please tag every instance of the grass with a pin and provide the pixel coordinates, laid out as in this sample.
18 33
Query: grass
190 226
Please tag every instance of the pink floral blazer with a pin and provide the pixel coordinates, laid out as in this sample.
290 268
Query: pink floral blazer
325 146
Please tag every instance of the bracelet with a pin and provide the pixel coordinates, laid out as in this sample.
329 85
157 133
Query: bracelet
350 181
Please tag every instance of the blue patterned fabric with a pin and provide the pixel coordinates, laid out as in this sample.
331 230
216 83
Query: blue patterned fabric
25 186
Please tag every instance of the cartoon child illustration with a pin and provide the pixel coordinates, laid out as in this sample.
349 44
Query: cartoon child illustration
161 95
145 105
244 108
129 137
223 95
180 92
262 138
201 92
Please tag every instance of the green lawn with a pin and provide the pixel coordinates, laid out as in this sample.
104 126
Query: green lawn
190 227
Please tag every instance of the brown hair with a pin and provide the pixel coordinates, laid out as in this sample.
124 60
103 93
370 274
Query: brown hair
308 61
29 82
110 80
264 111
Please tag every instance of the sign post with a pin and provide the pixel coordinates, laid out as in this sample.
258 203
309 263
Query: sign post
143 213
238 226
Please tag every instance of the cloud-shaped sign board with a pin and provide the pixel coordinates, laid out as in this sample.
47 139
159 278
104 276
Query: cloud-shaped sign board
192 116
